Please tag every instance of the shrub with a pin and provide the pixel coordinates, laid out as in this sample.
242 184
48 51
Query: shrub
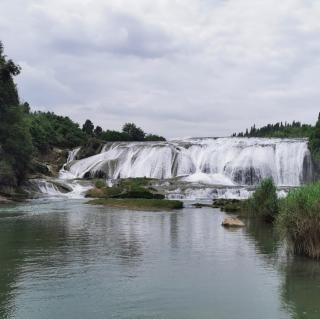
299 220
264 201
100 184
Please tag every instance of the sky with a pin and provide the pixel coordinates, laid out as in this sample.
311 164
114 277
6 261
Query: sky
174 67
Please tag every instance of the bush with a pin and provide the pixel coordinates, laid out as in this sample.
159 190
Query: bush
100 184
264 201
299 220
50 130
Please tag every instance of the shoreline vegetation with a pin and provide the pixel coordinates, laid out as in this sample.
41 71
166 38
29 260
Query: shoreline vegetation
296 217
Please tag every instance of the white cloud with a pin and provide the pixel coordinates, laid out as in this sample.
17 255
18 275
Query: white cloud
191 67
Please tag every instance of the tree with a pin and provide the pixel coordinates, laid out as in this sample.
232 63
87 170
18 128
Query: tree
97 131
135 133
88 127
15 139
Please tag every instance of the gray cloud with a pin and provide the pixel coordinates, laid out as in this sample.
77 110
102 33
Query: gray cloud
177 68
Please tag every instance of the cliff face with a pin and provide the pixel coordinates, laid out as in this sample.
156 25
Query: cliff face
48 164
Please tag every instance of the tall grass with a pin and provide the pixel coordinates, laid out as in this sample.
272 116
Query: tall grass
264 201
299 220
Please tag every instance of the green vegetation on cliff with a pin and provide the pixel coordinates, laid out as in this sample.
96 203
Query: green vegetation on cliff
314 143
15 138
50 130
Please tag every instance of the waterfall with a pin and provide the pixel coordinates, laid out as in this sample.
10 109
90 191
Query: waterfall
65 186
64 173
216 161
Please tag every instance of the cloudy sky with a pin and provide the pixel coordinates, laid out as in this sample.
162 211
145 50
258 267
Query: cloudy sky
174 67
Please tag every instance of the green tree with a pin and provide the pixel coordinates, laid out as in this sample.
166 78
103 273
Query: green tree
88 127
15 139
97 131
135 133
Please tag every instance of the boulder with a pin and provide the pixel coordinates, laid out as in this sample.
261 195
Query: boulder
232 222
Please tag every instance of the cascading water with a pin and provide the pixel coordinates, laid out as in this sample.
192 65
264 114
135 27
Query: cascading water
71 189
215 161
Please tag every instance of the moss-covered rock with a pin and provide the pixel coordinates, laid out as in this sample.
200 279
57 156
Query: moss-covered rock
126 188
138 203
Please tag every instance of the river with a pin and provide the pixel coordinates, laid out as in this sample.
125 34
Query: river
61 258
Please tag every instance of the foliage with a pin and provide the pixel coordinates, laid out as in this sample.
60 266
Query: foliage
228 205
15 140
134 183
153 137
50 130
139 203
264 201
314 141
88 127
100 183
114 136
286 130
104 192
299 220
97 131
135 133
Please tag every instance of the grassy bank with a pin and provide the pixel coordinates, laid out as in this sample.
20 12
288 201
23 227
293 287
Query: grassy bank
138 203
297 217
299 220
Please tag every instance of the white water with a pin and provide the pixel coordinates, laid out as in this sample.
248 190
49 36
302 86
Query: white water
221 161
51 189
64 173
209 193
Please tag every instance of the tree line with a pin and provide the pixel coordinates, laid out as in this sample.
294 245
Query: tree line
280 129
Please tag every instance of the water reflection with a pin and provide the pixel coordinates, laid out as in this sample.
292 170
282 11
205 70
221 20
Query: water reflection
301 288
265 237
70 260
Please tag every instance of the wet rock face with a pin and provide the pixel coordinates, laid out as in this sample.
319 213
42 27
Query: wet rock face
92 147
247 176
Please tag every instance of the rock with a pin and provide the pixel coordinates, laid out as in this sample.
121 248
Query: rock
232 222
200 205
4 200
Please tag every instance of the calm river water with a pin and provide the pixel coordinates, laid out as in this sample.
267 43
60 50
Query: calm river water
64 259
